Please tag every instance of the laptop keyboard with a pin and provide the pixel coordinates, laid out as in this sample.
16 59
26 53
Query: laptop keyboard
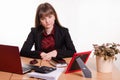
26 68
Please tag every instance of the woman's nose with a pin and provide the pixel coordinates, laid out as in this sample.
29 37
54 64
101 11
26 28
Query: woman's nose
47 20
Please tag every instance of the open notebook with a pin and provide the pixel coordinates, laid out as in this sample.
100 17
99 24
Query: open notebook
10 60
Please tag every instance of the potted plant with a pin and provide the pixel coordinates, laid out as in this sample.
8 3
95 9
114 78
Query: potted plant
105 55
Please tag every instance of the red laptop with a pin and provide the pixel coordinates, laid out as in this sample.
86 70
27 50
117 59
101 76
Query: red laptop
10 60
73 66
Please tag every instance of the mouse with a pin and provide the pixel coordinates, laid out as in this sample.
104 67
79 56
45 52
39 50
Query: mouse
34 61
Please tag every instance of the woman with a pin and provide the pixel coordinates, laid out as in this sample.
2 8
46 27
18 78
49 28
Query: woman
49 37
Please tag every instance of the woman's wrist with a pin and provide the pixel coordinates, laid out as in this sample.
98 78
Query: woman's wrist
55 53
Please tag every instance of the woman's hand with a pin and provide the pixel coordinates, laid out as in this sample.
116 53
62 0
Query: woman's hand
43 55
52 53
49 55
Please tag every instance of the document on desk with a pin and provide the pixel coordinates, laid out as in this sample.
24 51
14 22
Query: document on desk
49 76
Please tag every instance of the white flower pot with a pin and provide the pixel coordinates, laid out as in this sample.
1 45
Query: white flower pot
104 66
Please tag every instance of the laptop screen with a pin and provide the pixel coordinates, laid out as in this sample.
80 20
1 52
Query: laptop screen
10 59
73 65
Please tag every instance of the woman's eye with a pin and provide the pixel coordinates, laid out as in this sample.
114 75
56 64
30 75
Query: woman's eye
50 16
42 19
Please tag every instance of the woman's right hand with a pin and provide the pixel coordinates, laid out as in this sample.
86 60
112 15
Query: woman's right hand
48 56
45 56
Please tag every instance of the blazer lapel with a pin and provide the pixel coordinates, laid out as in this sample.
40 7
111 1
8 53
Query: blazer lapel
39 39
56 36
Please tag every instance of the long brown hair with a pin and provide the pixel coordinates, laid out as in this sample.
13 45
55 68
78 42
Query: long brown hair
45 9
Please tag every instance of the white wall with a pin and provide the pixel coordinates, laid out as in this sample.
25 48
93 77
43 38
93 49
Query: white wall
89 21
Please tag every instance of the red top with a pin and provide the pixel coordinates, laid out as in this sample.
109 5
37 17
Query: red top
48 42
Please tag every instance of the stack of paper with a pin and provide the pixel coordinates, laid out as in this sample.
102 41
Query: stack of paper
49 76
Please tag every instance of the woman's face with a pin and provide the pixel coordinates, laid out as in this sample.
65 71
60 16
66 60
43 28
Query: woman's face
48 21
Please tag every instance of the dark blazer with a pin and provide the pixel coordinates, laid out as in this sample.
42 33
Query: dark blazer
63 43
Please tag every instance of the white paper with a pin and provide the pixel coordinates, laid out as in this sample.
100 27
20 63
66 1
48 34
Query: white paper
48 76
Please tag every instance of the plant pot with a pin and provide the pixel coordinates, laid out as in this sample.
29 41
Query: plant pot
104 66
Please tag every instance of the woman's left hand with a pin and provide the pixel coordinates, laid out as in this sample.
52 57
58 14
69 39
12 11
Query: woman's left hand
49 55
52 53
